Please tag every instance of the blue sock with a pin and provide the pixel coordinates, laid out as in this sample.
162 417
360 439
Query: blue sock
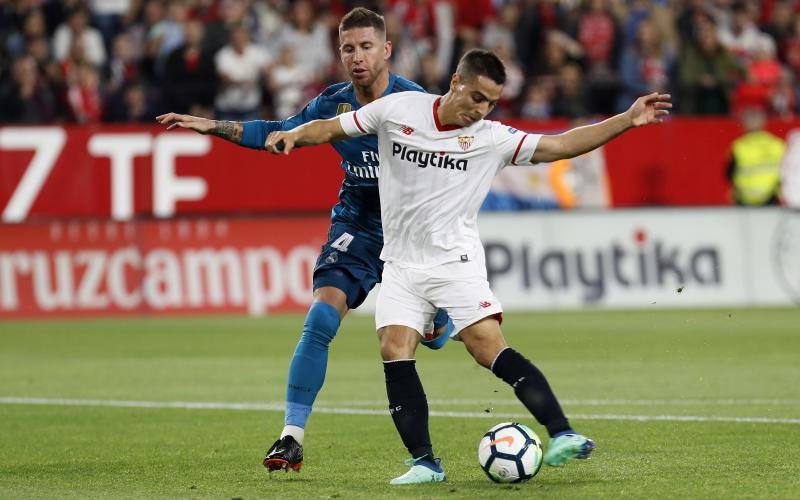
309 363
441 319
432 464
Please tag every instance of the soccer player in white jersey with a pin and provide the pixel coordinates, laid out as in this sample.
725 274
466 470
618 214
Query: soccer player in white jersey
438 158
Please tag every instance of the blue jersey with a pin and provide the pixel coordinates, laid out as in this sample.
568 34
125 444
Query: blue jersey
359 204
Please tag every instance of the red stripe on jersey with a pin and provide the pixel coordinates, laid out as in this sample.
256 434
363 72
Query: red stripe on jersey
514 159
355 117
439 126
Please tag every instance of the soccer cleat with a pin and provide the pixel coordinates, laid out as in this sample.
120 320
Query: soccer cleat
422 471
285 454
566 447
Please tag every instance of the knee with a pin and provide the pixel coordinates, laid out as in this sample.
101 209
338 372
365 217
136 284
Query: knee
397 345
321 323
484 347
485 354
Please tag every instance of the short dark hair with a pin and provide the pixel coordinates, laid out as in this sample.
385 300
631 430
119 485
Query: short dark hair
482 62
361 17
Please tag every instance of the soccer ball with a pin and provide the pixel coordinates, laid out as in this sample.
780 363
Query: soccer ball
510 453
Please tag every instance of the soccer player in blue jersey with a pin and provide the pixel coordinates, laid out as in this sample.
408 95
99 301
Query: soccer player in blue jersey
349 265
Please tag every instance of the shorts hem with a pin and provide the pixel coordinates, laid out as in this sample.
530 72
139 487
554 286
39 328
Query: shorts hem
389 322
460 325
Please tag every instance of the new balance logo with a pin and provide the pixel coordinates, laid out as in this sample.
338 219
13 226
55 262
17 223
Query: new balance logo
484 305
406 130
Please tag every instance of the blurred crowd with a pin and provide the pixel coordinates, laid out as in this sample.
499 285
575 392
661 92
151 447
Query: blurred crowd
129 60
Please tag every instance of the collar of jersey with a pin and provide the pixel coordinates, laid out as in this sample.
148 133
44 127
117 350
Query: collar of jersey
439 126
352 90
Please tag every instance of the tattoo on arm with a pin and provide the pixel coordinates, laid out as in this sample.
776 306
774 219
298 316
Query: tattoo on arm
230 131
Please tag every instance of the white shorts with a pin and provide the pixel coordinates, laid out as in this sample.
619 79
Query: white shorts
410 297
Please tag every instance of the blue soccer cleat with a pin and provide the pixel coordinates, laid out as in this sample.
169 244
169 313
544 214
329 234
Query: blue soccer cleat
433 341
563 448
423 470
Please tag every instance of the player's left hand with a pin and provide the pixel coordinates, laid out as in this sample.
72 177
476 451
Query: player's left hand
651 108
280 141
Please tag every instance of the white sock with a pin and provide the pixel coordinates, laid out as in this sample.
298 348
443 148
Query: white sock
296 432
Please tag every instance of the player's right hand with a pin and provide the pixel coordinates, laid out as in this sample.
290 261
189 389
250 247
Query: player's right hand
280 141
172 120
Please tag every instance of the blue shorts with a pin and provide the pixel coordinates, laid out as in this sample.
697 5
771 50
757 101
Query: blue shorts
350 261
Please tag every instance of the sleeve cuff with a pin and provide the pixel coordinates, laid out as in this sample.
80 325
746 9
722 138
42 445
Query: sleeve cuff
525 148
351 125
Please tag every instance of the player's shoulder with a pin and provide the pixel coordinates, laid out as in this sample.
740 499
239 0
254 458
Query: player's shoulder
405 85
499 127
409 97
341 90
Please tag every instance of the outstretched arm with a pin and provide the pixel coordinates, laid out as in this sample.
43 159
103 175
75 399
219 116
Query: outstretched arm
645 110
251 134
228 130
310 134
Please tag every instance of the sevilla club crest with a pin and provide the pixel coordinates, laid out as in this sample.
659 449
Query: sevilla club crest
465 141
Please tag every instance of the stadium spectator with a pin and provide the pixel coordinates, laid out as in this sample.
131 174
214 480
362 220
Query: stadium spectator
310 40
755 162
269 18
288 81
167 34
761 86
515 81
557 51
407 52
241 67
537 104
123 66
26 98
598 34
693 15
76 28
707 74
39 49
33 27
542 36
147 16
645 65
500 30
534 18
109 15
132 103
791 49
742 37
431 78
570 99
780 25
84 98
190 74
232 13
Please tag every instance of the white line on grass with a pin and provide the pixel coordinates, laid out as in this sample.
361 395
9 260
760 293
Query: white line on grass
591 402
273 406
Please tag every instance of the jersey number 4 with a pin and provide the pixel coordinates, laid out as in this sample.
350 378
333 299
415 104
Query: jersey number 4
342 242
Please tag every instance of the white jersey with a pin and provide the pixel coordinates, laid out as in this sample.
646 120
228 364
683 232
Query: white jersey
433 178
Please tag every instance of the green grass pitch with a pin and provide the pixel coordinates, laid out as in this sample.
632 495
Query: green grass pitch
701 404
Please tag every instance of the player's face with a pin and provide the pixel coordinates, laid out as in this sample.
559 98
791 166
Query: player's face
364 53
475 98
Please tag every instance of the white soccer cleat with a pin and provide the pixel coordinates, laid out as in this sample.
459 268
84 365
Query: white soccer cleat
419 473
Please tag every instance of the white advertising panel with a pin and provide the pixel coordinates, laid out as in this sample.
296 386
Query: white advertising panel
654 258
